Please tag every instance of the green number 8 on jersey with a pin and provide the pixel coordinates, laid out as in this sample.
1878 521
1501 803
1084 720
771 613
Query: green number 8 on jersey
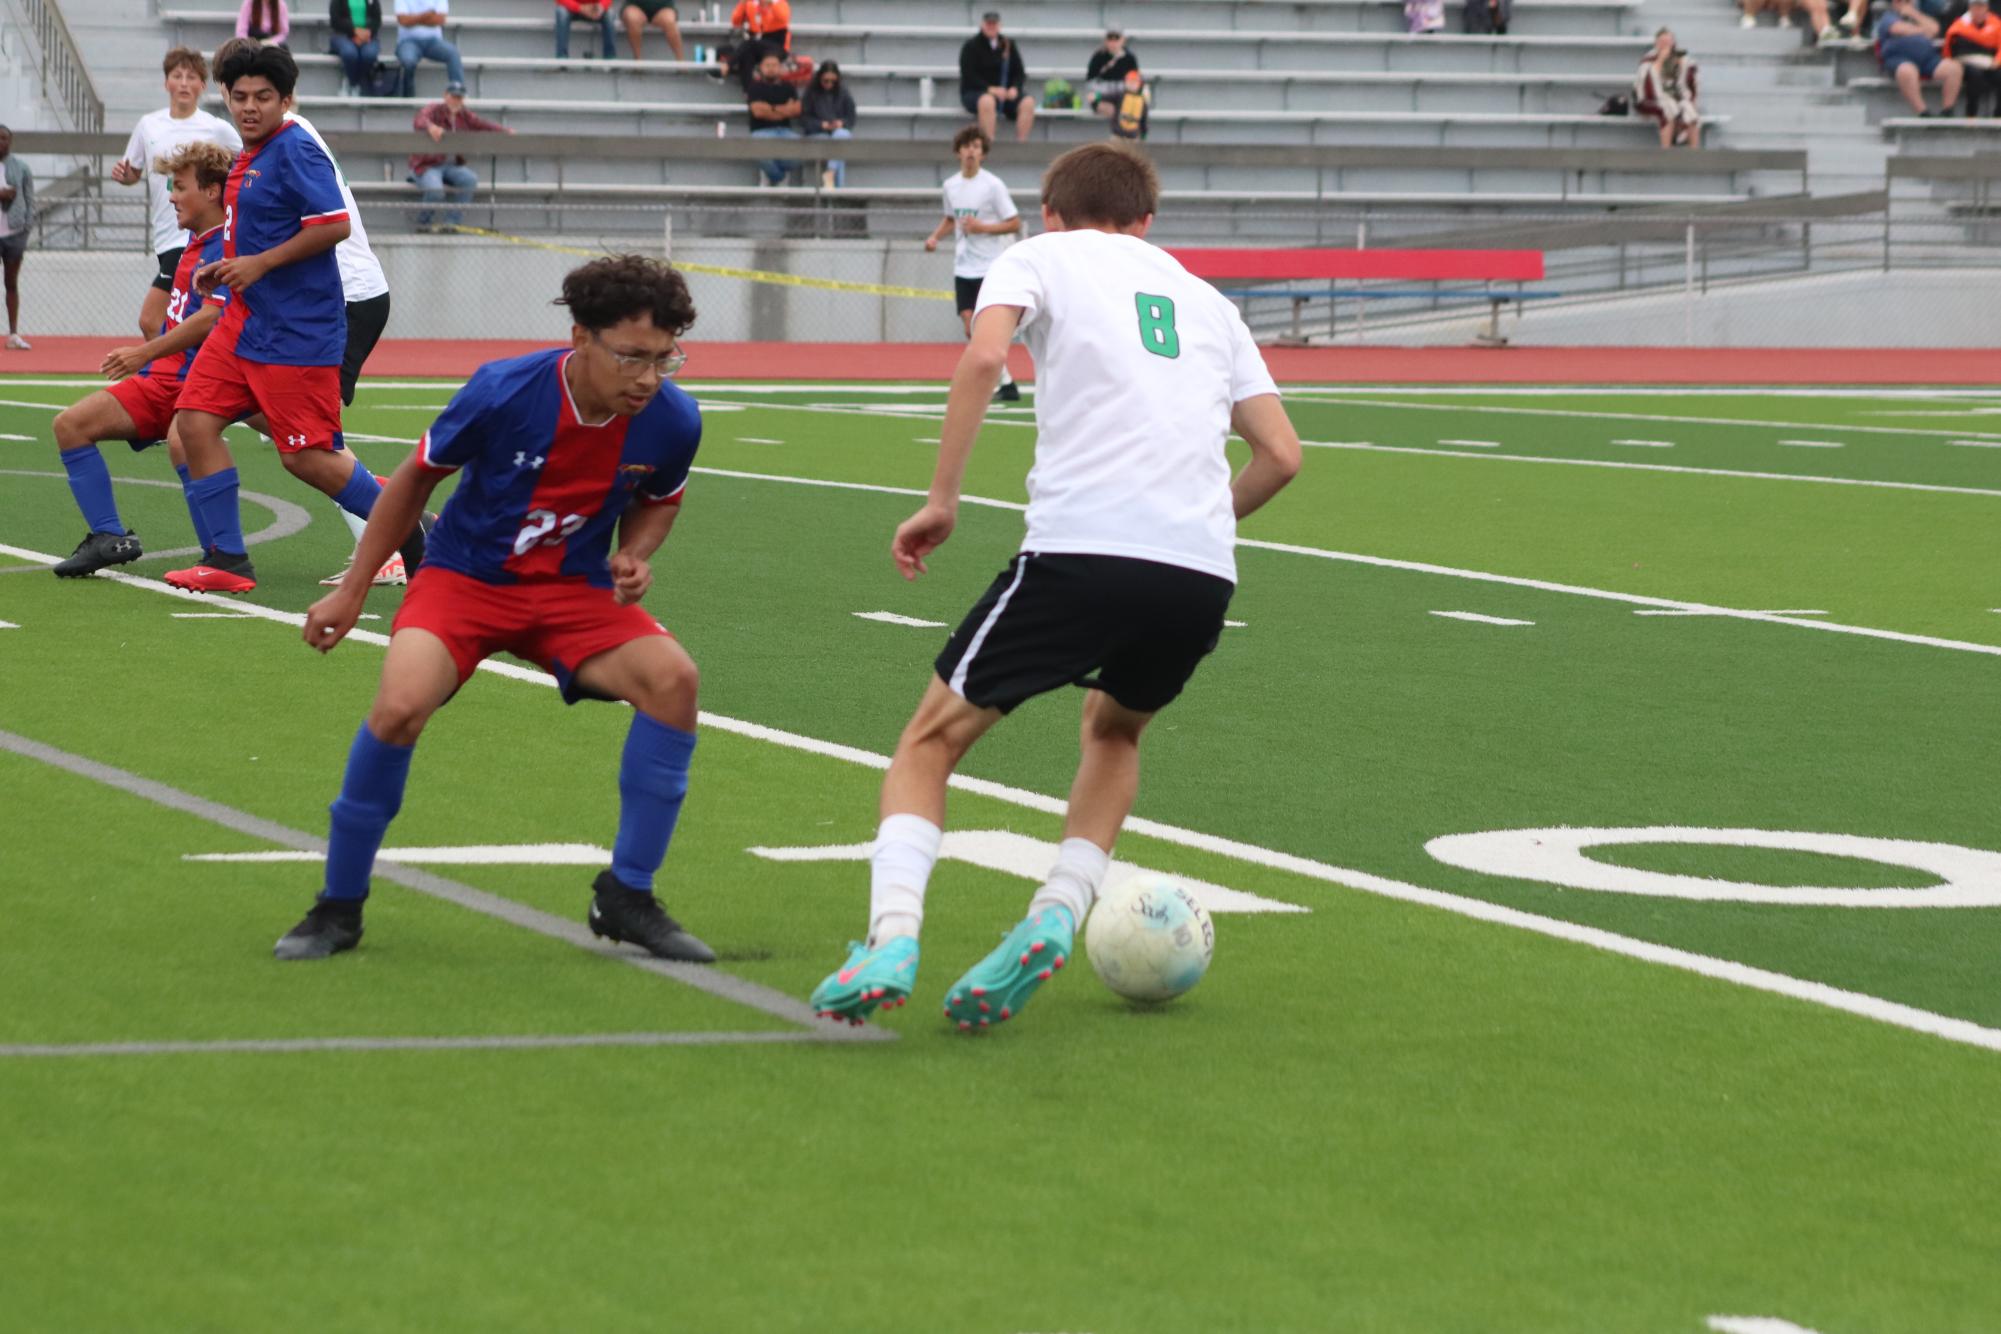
1156 325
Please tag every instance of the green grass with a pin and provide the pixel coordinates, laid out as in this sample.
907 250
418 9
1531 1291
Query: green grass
1372 1116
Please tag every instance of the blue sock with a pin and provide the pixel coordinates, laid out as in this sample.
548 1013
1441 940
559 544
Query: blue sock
370 795
194 510
358 496
216 497
90 483
652 780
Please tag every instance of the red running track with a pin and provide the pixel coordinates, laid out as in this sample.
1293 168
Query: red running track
396 358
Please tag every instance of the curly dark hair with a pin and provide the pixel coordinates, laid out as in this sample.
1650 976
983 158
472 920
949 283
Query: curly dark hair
616 288
970 135
270 62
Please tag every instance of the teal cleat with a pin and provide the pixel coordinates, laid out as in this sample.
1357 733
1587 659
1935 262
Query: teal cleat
996 988
871 980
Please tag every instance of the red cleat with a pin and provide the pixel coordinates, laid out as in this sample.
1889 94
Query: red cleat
217 573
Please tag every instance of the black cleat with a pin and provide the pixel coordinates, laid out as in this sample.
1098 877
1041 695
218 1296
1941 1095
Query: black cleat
1008 393
98 550
636 917
327 929
412 550
141 446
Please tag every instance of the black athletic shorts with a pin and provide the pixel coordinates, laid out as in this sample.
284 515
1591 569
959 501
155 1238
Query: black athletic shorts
1007 108
365 322
968 290
1135 629
169 261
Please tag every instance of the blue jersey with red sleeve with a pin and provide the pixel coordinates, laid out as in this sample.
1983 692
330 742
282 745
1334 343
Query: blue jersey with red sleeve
295 315
543 489
182 301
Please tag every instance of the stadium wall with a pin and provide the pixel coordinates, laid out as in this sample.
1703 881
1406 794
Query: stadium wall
465 288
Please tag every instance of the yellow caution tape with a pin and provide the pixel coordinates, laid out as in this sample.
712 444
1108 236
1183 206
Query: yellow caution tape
724 271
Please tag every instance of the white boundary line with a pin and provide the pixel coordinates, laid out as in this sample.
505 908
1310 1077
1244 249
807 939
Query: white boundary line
1876 1008
1354 402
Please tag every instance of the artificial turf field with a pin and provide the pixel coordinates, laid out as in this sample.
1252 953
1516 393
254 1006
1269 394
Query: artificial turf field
1442 1098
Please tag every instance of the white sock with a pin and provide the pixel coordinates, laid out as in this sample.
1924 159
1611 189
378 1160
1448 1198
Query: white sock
906 848
1073 882
355 523
1006 378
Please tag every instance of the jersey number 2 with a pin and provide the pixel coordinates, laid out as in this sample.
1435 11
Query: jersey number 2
1156 325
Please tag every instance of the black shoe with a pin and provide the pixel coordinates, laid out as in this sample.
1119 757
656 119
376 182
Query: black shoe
634 916
1008 393
98 550
141 446
327 929
412 550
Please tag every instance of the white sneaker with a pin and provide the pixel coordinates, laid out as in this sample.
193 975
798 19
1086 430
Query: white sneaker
1830 33
392 574
17 343
334 579
1747 22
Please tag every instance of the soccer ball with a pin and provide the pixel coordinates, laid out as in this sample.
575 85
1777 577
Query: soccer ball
1149 938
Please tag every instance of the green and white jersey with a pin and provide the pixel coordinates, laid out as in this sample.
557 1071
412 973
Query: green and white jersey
985 198
1138 365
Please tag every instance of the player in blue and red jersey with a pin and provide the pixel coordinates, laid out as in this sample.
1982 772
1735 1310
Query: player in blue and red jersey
561 450
278 348
141 409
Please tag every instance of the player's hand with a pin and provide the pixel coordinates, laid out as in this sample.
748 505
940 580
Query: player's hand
930 243
235 274
630 578
329 619
121 362
124 173
920 535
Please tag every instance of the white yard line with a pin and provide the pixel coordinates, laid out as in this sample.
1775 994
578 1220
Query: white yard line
1875 1008
1976 444
891 618
1355 402
1813 444
1646 444
1754 1324
757 440
1479 619
1473 444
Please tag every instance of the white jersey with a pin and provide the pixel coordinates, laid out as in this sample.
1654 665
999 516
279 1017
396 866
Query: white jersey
1138 365
158 135
360 271
985 198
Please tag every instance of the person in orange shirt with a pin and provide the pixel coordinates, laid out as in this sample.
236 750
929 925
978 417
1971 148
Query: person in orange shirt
767 26
1974 40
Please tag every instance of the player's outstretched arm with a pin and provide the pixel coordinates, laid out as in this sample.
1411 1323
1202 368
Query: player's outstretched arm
965 408
1274 452
123 361
396 512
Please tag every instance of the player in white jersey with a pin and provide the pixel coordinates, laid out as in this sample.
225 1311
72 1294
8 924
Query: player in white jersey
982 215
1142 372
156 138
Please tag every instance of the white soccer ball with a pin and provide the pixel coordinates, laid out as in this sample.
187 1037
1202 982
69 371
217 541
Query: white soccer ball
1149 938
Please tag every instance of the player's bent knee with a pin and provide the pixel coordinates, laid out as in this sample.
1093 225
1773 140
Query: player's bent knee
398 718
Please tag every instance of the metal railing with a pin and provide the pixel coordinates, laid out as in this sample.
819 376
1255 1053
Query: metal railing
65 81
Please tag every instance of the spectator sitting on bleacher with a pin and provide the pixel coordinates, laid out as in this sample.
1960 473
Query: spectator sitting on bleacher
1907 46
357 28
829 109
639 15
268 21
1105 75
1974 40
420 35
436 172
773 104
1422 16
757 26
992 79
1129 119
596 12
1664 88
1483 17
1782 11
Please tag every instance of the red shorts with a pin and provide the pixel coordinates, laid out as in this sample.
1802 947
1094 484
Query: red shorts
556 626
302 403
149 400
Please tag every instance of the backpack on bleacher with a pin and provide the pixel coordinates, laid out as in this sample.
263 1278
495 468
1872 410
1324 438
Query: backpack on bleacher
387 81
1058 95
